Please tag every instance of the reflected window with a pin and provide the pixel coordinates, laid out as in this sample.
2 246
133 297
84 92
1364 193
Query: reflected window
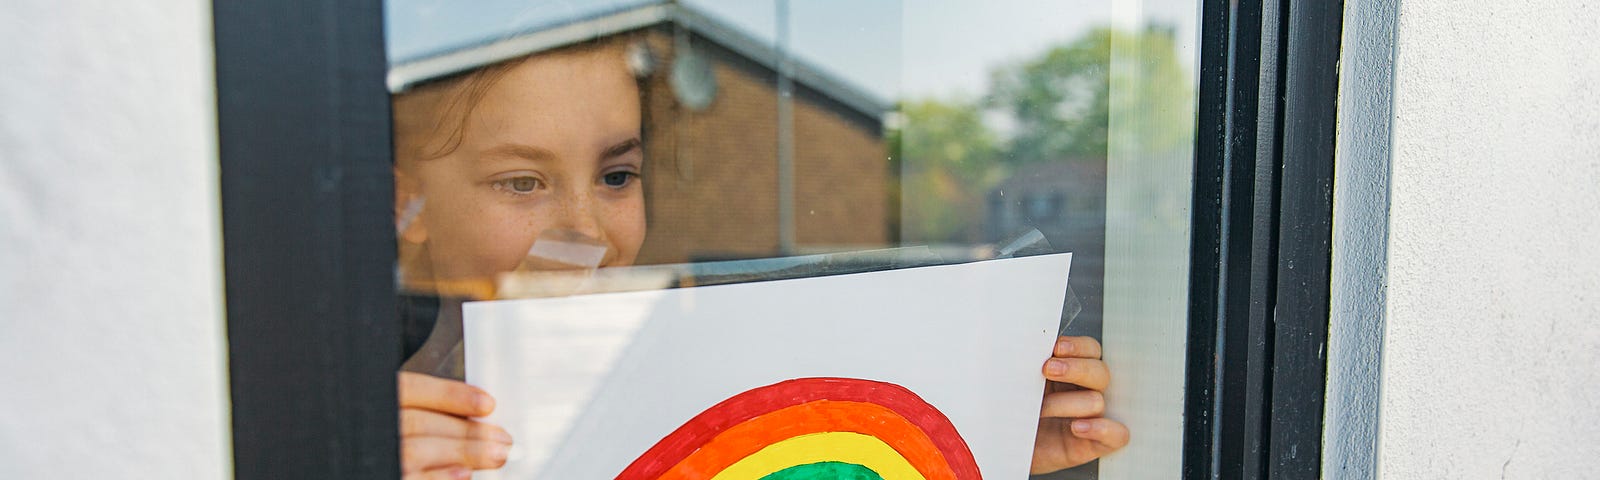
716 141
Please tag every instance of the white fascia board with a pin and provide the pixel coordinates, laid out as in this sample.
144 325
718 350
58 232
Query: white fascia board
404 75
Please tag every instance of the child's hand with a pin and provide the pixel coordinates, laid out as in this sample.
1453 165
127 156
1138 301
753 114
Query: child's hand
1071 431
438 440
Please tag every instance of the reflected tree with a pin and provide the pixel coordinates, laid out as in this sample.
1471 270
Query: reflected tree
1152 100
1059 100
949 157
1056 106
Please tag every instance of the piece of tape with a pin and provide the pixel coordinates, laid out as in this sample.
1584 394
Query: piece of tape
408 215
569 253
566 248
1069 310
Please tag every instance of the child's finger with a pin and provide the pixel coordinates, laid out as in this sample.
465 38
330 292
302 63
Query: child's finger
1074 404
1107 435
416 422
1077 347
418 454
450 473
442 395
1084 372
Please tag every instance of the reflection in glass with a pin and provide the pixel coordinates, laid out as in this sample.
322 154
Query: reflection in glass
741 136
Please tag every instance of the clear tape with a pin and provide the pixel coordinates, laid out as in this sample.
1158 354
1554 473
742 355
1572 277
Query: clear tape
570 252
1033 242
408 215
1069 311
441 354
552 282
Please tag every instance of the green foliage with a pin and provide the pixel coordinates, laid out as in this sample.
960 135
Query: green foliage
1153 101
1070 103
949 135
1059 100
945 148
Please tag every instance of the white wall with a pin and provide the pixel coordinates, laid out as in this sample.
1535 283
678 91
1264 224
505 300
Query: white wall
1359 271
1491 361
110 297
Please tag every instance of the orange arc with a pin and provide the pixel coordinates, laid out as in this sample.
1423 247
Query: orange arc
817 416
693 434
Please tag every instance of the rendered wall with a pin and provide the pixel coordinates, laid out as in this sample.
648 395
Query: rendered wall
111 321
1358 274
1491 355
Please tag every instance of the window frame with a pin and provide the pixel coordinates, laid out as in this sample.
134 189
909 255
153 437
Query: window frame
306 189
1262 239
308 238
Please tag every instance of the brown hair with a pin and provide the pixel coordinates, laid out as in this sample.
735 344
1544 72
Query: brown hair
430 120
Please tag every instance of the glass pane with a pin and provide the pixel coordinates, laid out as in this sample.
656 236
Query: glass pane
726 141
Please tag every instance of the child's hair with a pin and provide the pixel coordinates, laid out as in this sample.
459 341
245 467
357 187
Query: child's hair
430 119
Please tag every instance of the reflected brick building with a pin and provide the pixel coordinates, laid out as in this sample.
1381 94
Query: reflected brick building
711 175
1066 201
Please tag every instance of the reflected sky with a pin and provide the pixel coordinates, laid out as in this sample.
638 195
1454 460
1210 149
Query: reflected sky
419 28
940 48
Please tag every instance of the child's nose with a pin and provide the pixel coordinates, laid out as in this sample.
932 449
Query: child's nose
580 213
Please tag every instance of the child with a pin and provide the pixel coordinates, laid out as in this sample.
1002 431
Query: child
489 162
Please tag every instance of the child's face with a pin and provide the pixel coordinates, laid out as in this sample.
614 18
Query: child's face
553 145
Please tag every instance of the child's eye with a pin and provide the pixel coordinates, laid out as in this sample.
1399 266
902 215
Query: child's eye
618 179
517 185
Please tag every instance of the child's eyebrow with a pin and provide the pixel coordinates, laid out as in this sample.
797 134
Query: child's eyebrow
521 151
620 148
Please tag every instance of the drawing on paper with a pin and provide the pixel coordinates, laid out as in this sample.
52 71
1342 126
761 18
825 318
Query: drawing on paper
813 428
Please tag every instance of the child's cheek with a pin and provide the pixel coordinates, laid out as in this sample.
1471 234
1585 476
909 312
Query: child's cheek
502 237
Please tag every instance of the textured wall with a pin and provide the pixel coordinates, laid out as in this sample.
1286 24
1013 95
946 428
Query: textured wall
110 295
1491 362
1360 240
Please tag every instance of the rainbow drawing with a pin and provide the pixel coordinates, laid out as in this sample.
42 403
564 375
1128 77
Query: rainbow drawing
812 428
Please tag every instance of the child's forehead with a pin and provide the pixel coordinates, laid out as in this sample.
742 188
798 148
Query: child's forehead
589 74
571 102
594 59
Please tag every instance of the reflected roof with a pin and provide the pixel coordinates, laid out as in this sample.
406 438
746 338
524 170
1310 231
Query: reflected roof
417 29
429 39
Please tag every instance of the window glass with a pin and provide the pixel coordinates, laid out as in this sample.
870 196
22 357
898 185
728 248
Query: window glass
718 135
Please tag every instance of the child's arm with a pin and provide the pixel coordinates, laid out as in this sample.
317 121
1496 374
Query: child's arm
438 437
1071 429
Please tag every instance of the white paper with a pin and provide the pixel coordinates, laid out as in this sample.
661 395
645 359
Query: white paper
587 384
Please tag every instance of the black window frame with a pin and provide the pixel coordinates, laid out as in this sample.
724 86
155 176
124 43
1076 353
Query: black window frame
308 239
303 133
1262 239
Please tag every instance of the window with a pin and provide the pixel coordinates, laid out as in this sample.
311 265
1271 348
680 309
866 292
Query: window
774 130
765 132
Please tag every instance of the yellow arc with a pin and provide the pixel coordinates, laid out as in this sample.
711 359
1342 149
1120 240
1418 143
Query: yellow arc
846 447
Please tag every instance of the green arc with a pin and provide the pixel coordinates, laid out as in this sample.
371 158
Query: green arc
824 471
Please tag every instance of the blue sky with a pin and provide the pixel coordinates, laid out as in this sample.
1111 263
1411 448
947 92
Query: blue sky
893 48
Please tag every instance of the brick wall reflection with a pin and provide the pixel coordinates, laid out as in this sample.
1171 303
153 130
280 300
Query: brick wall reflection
711 180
